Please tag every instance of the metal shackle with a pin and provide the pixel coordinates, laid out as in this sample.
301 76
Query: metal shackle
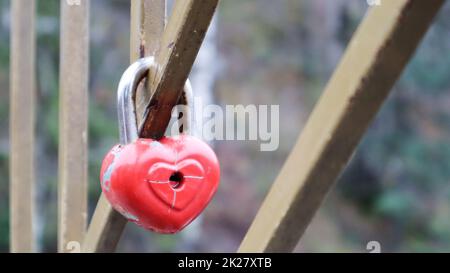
126 94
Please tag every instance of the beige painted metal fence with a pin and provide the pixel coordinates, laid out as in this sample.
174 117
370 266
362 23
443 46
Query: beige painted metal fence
376 56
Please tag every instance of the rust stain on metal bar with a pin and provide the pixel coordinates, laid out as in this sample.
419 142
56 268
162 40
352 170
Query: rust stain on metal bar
176 55
186 29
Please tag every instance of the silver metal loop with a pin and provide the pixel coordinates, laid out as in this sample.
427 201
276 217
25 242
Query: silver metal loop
126 93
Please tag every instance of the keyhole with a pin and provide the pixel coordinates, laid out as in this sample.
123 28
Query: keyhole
176 180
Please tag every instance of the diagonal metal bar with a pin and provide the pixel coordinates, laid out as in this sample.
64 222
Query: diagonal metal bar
179 47
175 56
375 58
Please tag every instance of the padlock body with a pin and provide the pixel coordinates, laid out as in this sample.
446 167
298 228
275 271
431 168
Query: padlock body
161 185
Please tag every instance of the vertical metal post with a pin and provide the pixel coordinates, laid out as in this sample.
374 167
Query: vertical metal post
22 125
73 124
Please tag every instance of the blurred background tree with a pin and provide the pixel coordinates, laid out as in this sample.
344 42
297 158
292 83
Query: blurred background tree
395 190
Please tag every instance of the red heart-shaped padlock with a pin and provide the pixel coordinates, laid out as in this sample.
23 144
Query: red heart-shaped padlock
161 185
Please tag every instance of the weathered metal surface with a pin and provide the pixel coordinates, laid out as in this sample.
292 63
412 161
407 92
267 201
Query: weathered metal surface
147 25
73 124
22 124
375 58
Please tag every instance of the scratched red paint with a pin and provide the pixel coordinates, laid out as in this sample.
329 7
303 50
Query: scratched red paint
161 185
